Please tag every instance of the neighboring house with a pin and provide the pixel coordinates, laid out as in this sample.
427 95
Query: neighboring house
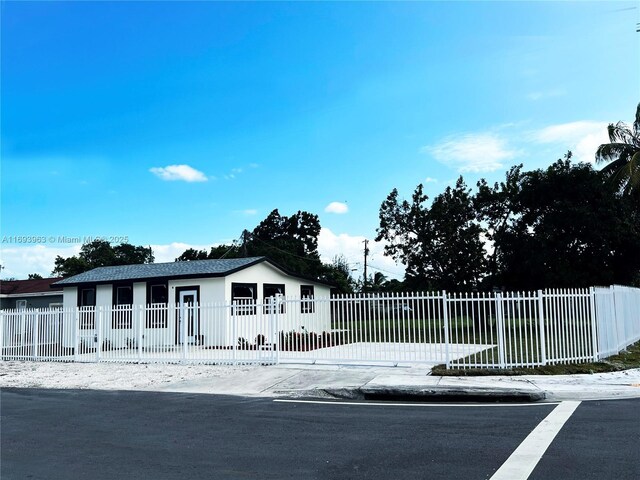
195 293
23 294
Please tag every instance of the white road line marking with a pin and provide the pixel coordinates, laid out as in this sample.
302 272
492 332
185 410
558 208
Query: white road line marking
389 404
525 458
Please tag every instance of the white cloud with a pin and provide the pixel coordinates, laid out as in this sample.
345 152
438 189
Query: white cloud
336 207
183 173
473 152
352 248
248 211
582 137
430 180
18 262
169 252
541 95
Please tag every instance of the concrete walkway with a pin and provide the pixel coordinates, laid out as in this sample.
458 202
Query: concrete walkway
318 381
411 383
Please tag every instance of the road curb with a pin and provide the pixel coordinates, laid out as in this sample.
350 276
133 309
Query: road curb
431 394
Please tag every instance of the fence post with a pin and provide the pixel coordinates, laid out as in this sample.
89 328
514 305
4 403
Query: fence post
274 309
542 336
35 335
234 331
99 320
595 341
3 320
614 318
141 322
445 318
184 319
76 333
500 328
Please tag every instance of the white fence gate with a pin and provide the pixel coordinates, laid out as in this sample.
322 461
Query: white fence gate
479 330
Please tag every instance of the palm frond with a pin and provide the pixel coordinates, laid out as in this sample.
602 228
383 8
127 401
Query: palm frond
633 173
614 151
620 133
622 156
612 168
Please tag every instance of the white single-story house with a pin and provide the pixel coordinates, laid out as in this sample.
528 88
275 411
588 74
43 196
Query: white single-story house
161 303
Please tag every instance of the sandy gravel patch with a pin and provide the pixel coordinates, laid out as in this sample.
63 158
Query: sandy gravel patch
106 376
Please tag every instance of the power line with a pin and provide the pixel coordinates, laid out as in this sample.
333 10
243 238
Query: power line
283 251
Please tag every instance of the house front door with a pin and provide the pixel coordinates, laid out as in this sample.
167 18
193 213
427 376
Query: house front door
188 314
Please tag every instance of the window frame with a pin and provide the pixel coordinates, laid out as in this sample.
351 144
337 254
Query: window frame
157 316
265 296
307 305
248 307
121 317
88 316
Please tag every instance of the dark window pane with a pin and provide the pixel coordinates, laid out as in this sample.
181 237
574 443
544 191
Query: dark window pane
244 296
124 296
159 294
88 297
243 291
306 293
271 290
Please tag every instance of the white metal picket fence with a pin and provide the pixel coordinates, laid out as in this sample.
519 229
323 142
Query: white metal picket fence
475 330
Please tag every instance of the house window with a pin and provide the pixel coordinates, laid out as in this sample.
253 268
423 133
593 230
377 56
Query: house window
157 298
121 316
306 299
272 290
21 304
87 304
243 297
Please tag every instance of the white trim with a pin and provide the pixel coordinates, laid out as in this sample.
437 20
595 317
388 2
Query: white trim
34 294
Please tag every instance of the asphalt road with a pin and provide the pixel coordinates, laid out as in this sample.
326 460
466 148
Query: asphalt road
63 434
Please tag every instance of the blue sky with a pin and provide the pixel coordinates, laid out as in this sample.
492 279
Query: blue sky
177 124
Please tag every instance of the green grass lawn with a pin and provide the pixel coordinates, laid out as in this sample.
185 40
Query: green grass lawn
629 358
521 341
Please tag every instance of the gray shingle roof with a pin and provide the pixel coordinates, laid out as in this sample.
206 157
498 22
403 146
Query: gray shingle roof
195 268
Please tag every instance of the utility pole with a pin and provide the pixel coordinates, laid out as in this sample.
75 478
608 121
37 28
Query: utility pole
366 254
245 235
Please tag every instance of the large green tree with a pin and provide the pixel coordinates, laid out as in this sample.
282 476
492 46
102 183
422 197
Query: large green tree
291 242
440 244
216 252
100 253
338 272
564 226
622 155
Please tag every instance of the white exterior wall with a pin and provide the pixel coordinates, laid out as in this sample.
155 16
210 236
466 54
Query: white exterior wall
293 319
70 297
265 273
211 325
104 305
140 293
216 327
211 289
69 300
